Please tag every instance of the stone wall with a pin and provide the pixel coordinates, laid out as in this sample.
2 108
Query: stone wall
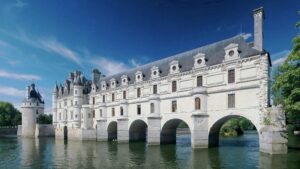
8 131
44 130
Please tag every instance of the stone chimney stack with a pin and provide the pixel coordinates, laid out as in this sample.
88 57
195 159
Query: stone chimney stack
259 17
96 74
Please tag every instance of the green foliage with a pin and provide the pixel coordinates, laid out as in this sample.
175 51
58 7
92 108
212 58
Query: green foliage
183 125
9 116
286 86
236 126
44 119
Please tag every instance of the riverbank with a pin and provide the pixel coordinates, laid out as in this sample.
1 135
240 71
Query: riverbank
8 131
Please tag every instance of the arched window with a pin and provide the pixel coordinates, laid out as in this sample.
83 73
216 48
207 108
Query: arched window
152 108
121 111
197 103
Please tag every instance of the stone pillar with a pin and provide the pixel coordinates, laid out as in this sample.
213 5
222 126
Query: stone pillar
154 126
102 130
87 117
199 131
123 132
273 136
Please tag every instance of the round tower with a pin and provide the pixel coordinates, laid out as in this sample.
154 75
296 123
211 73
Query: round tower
32 106
77 101
54 105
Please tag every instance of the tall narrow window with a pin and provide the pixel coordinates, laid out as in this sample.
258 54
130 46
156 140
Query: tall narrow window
93 113
121 111
112 112
72 115
93 100
113 97
197 103
199 81
124 94
59 116
154 89
174 86
138 92
231 100
174 106
152 108
103 98
138 109
231 76
100 112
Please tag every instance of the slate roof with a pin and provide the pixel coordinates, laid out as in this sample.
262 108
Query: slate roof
214 54
34 96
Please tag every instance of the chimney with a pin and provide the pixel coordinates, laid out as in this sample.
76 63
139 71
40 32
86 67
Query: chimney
259 17
95 76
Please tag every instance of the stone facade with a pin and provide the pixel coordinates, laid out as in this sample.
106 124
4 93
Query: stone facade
203 88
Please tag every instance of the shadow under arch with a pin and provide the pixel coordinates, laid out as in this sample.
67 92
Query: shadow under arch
112 131
168 131
138 131
213 138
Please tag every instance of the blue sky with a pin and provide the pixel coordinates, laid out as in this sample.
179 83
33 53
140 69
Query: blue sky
45 40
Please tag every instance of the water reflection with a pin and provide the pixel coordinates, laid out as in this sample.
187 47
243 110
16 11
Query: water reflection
51 153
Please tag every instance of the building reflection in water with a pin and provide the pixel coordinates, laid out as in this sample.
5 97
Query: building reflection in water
51 153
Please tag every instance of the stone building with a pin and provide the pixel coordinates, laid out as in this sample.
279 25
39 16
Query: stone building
203 88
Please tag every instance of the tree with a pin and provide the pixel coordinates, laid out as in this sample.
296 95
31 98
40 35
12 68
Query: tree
44 119
9 115
286 87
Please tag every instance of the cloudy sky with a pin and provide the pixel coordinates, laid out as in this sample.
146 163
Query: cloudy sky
42 41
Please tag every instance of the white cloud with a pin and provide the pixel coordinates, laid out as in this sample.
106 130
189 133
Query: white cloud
10 91
16 76
20 4
134 62
57 47
109 67
281 57
246 35
48 44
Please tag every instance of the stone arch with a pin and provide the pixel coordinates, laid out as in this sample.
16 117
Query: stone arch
112 131
138 130
168 131
214 130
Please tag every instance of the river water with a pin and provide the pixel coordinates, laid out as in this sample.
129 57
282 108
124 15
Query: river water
237 152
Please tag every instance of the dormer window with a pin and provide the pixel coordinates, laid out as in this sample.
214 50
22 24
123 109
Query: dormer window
103 85
124 80
155 72
199 60
231 52
138 76
174 67
94 88
113 83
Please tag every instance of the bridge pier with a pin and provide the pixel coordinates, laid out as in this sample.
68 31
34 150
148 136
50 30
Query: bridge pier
123 131
153 135
101 130
199 131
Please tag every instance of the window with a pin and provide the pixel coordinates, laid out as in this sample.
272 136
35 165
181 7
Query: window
76 116
197 103
100 112
199 81
138 92
75 102
231 100
112 112
231 76
121 111
93 113
103 99
59 116
174 106
138 109
152 108
113 97
75 91
154 89
37 112
93 100
124 94
72 115
174 86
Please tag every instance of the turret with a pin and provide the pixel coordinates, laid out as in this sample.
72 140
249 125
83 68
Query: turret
32 106
54 104
259 17
78 99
